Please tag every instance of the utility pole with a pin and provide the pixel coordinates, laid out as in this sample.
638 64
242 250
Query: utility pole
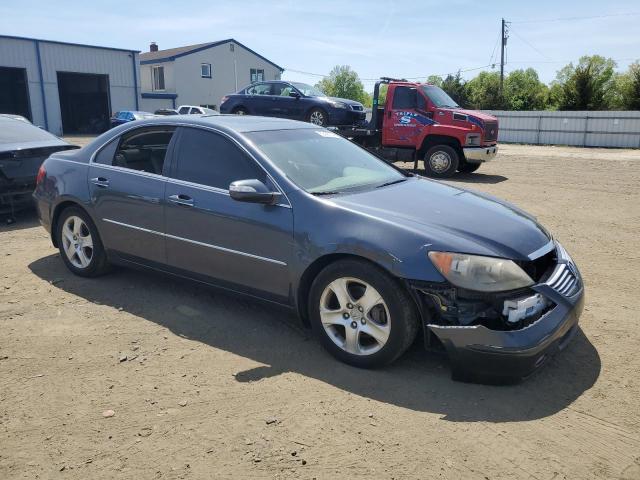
503 44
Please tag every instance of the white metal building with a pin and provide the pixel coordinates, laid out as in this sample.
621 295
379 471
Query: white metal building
66 88
200 74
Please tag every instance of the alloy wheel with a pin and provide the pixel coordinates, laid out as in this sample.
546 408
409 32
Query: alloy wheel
77 242
317 118
355 316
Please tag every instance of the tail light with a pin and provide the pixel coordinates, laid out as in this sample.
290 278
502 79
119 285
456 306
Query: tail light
41 174
224 99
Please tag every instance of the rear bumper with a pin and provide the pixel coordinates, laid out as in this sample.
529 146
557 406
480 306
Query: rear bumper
480 154
478 351
13 198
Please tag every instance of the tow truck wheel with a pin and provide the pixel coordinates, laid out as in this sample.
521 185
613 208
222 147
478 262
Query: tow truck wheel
469 167
441 161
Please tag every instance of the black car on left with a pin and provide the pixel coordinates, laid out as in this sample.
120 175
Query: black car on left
294 100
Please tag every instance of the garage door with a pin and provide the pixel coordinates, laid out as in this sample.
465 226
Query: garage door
84 102
14 92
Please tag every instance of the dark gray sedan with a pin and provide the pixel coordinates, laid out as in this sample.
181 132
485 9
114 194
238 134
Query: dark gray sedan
369 256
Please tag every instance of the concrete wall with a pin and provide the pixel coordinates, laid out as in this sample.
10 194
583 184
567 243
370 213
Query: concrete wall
182 76
119 65
580 128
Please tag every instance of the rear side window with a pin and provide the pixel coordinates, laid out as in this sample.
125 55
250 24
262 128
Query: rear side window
143 149
183 110
404 98
208 158
260 89
195 111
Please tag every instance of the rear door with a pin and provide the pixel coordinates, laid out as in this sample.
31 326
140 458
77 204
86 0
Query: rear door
401 123
127 183
258 99
243 246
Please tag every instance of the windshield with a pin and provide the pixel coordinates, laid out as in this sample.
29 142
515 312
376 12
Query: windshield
322 162
18 131
439 97
308 90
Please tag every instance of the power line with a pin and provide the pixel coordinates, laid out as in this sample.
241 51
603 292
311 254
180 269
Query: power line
566 19
528 43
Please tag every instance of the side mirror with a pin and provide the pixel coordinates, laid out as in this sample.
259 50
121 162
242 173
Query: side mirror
252 191
294 94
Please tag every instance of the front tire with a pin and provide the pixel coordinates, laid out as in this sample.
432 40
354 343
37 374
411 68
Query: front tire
361 314
79 243
441 161
319 117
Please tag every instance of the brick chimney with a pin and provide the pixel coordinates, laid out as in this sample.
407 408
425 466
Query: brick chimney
153 47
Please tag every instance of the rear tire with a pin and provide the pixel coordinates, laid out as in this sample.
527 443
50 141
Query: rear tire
79 243
370 325
240 111
469 167
441 161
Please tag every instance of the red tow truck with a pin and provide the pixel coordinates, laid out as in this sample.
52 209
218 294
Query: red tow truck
421 121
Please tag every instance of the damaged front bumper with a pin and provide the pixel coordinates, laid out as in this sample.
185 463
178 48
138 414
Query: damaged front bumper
481 351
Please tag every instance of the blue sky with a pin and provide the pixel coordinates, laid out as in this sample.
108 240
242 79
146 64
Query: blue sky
385 37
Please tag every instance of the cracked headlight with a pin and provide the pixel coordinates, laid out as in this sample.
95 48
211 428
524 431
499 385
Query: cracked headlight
483 274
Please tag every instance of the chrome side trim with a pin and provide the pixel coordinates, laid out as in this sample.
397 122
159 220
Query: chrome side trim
195 242
139 173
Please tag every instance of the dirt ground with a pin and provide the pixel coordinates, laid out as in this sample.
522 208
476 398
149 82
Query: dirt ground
205 385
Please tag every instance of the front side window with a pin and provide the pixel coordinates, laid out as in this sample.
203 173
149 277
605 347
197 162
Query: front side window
439 97
405 98
260 89
308 90
183 110
158 78
195 111
210 159
256 75
143 149
322 162
205 70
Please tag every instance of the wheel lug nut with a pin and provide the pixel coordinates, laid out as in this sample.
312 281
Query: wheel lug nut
354 324
363 321
360 308
349 305
345 315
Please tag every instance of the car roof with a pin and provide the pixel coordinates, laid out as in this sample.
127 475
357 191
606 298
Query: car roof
231 123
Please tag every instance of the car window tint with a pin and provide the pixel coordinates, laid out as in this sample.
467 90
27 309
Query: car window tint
143 149
105 155
259 89
210 159
195 111
404 97
183 110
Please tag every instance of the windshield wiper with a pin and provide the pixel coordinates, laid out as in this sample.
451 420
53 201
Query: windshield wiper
392 182
326 192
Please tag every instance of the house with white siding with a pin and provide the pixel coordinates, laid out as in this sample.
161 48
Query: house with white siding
200 74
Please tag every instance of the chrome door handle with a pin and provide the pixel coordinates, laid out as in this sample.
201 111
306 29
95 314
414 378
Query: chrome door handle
100 182
181 199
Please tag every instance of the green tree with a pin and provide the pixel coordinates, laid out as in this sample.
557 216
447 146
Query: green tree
343 82
455 86
590 85
435 80
523 90
627 89
483 92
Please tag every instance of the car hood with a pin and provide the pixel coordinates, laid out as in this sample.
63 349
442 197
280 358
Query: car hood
452 219
343 100
485 117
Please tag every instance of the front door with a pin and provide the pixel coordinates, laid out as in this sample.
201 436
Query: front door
127 184
402 124
242 246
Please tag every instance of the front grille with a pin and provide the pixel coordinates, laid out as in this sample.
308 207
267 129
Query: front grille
357 108
490 131
564 280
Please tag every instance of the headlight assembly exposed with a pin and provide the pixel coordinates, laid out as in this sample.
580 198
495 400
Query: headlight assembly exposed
483 274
